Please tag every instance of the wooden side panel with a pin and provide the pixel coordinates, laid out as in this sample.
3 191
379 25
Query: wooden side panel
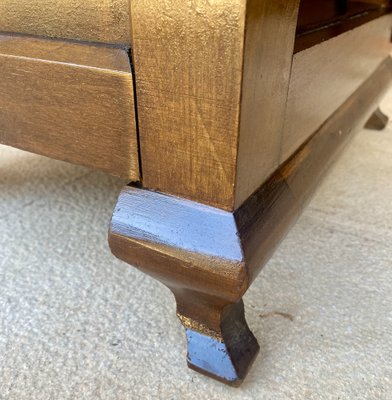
91 20
265 218
188 63
325 75
64 106
269 44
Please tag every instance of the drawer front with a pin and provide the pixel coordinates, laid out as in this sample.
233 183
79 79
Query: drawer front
104 21
68 101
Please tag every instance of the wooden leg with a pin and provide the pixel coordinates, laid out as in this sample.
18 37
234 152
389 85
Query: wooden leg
378 121
195 250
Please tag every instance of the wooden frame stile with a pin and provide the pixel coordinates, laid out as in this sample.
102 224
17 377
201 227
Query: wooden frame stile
216 200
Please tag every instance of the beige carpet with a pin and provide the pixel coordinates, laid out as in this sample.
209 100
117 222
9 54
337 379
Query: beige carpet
77 324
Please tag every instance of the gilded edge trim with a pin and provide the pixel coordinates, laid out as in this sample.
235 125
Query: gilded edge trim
199 327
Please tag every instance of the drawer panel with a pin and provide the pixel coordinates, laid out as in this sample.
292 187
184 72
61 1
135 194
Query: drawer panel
104 21
68 101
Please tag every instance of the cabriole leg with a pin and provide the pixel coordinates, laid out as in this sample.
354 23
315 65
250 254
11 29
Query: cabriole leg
196 251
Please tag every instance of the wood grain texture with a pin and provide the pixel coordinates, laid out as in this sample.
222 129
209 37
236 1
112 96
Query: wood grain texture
189 65
269 213
104 21
324 75
210 265
266 76
69 101
188 62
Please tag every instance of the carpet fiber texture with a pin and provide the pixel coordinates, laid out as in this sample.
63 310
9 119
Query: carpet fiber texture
75 323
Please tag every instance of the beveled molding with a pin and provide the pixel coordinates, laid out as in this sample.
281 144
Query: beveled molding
209 257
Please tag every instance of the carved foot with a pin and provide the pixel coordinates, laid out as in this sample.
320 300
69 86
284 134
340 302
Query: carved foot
378 121
220 343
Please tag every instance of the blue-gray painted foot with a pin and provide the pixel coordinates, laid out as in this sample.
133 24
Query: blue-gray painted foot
225 355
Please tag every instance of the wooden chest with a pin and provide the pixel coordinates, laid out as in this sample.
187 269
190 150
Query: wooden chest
223 115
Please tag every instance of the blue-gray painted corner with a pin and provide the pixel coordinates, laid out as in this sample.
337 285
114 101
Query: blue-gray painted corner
179 223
